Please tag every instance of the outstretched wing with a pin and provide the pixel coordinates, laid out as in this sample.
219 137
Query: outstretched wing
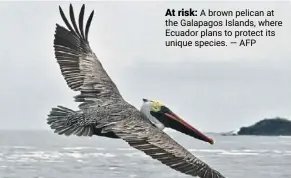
154 142
79 65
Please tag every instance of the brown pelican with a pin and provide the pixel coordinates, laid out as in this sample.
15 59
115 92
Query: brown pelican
103 111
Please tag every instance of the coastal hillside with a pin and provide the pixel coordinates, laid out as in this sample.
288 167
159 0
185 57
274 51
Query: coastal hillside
269 127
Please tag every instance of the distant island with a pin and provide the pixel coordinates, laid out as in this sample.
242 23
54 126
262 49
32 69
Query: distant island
267 127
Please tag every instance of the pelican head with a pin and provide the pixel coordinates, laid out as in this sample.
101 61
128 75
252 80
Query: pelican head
162 117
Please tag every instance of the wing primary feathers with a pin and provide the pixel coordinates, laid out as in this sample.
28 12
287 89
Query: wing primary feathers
81 21
88 24
66 20
158 145
72 16
79 65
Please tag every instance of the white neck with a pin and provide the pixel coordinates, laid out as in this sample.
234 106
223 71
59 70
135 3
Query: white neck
145 109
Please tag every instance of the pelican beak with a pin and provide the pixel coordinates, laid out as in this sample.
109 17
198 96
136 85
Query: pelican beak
175 122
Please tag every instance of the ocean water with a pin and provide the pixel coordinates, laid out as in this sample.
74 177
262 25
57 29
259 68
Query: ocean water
43 154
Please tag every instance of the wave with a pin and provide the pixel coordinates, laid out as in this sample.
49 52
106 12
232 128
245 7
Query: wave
206 150
134 154
82 148
283 136
238 153
23 147
125 149
241 152
51 156
77 154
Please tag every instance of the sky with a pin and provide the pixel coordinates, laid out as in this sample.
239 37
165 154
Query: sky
214 89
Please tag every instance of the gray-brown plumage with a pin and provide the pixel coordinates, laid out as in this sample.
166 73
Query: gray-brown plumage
104 112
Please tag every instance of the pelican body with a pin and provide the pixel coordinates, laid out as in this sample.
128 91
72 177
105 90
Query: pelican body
104 112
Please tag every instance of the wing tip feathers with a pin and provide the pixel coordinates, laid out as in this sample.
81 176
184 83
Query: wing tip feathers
77 27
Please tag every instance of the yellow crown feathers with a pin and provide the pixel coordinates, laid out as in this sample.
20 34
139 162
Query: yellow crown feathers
156 105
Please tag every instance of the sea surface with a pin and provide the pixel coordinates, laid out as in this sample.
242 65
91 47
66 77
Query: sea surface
43 154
